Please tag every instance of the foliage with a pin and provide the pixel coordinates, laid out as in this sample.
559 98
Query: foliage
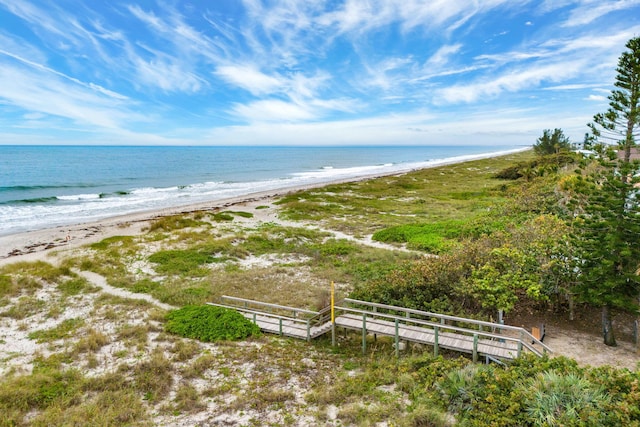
222 217
208 323
64 329
540 166
177 261
607 227
243 214
153 377
431 237
496 283
112 241
174 222
621 122
554 399
46 386
551 142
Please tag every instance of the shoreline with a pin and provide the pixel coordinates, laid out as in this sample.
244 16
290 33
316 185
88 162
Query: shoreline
34 245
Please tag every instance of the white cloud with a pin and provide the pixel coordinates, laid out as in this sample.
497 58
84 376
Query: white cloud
273 110
39 91
250 79
442 56
590 10
512 81
598 98
508 127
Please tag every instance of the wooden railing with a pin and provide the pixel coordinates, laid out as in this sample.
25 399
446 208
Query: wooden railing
483 337
460 324
280 319
440 330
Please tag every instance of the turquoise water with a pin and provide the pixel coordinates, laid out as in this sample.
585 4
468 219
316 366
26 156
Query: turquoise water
47 186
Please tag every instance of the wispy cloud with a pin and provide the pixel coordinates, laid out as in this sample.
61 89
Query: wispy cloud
250 79
510 82
48 94
140 68
588 11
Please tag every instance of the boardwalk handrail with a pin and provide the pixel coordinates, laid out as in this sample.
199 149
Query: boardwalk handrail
473 334
281 323
525 335
400 322
247 302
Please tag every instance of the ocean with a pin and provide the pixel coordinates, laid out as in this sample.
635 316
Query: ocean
48 186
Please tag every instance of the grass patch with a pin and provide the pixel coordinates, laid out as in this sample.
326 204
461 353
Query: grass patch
222 217
24 307
175 222
63 330
114 241
153 377
182 262
208 323
452 192
242 214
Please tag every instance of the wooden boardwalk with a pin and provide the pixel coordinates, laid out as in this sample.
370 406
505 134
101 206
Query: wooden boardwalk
452 341
475 337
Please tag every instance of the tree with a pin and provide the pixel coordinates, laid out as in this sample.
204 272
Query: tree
552 143
607 231
620 123
610 219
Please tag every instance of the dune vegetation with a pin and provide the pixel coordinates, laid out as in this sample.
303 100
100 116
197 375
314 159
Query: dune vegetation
466 239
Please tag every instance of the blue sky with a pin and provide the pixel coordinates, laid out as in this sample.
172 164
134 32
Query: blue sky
305 72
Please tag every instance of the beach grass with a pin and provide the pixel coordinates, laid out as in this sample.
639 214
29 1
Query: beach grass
460 191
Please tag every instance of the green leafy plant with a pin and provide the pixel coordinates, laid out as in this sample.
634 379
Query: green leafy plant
181 261
208 323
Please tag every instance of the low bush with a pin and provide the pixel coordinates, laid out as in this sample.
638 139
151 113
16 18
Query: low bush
208 323
222 217
432 237
181 261
176 222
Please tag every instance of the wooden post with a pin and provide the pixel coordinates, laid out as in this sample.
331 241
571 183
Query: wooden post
435 341
364 334
280 325
520 343
475 348
397 340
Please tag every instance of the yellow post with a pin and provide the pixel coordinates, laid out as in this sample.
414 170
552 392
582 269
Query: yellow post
333 314
333 302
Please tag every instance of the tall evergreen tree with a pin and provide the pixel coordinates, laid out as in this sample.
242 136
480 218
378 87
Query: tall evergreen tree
609 230
621 123
606 239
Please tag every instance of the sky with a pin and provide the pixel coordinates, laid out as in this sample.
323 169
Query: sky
306 72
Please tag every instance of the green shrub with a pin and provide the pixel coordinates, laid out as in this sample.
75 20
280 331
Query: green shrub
112 241
208 323
554 399
222 217
176 222
181 261
243 214
432 237
333 247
